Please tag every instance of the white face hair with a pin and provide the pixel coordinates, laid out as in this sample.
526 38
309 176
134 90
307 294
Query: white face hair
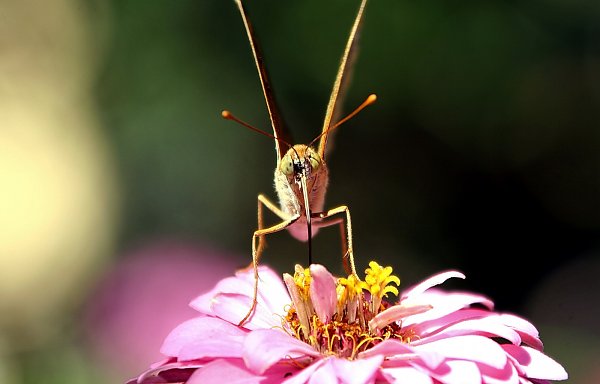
301 179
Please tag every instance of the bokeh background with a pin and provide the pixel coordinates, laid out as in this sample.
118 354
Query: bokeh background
123 194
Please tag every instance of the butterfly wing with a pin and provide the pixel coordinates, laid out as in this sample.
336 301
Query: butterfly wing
342 79
279 130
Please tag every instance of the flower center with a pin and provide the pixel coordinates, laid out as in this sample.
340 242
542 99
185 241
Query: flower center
333 315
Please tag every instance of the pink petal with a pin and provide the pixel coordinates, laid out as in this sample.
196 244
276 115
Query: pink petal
334 370
359 371
167 373
535 364
322 292
426 328
431 282
192 335
325 374
529 334
272 293
407 374
457 372
304 375
211 348
395 350
523 380
232 285
235 372
223 371
506 375
396 313
474 348
443 304
233 308
265 347
488 326
238 292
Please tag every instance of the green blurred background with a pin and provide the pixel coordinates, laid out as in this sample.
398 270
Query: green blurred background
123 194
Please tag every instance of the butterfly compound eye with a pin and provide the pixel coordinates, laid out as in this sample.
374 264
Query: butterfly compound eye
315 161
287 165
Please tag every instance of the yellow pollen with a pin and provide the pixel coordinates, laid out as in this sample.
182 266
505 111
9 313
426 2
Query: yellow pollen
352 284
303 281
378 280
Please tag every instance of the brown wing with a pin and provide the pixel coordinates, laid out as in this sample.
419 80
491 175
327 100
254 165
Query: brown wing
279 129
342 79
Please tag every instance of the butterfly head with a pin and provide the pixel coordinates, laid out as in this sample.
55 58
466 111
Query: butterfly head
301 160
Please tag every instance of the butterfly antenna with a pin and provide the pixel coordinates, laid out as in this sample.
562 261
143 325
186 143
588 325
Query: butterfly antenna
370 100
229 116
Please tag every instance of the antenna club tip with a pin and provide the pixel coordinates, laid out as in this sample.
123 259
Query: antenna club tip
372 98
226 114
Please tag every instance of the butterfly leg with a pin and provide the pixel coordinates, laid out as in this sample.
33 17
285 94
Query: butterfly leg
344 243
264 201
259 234
346 231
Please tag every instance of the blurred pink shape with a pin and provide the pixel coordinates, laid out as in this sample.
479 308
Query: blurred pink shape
145 296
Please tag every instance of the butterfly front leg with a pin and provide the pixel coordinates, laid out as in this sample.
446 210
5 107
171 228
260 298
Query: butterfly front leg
260 234
264 201
346 233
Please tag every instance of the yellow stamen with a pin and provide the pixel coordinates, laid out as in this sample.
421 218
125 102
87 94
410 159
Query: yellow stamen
348 332
302 279
352 286
378 280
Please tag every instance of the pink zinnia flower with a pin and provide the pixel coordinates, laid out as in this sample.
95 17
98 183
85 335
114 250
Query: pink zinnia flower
327 330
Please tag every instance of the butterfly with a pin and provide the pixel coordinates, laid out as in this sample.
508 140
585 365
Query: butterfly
301 174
